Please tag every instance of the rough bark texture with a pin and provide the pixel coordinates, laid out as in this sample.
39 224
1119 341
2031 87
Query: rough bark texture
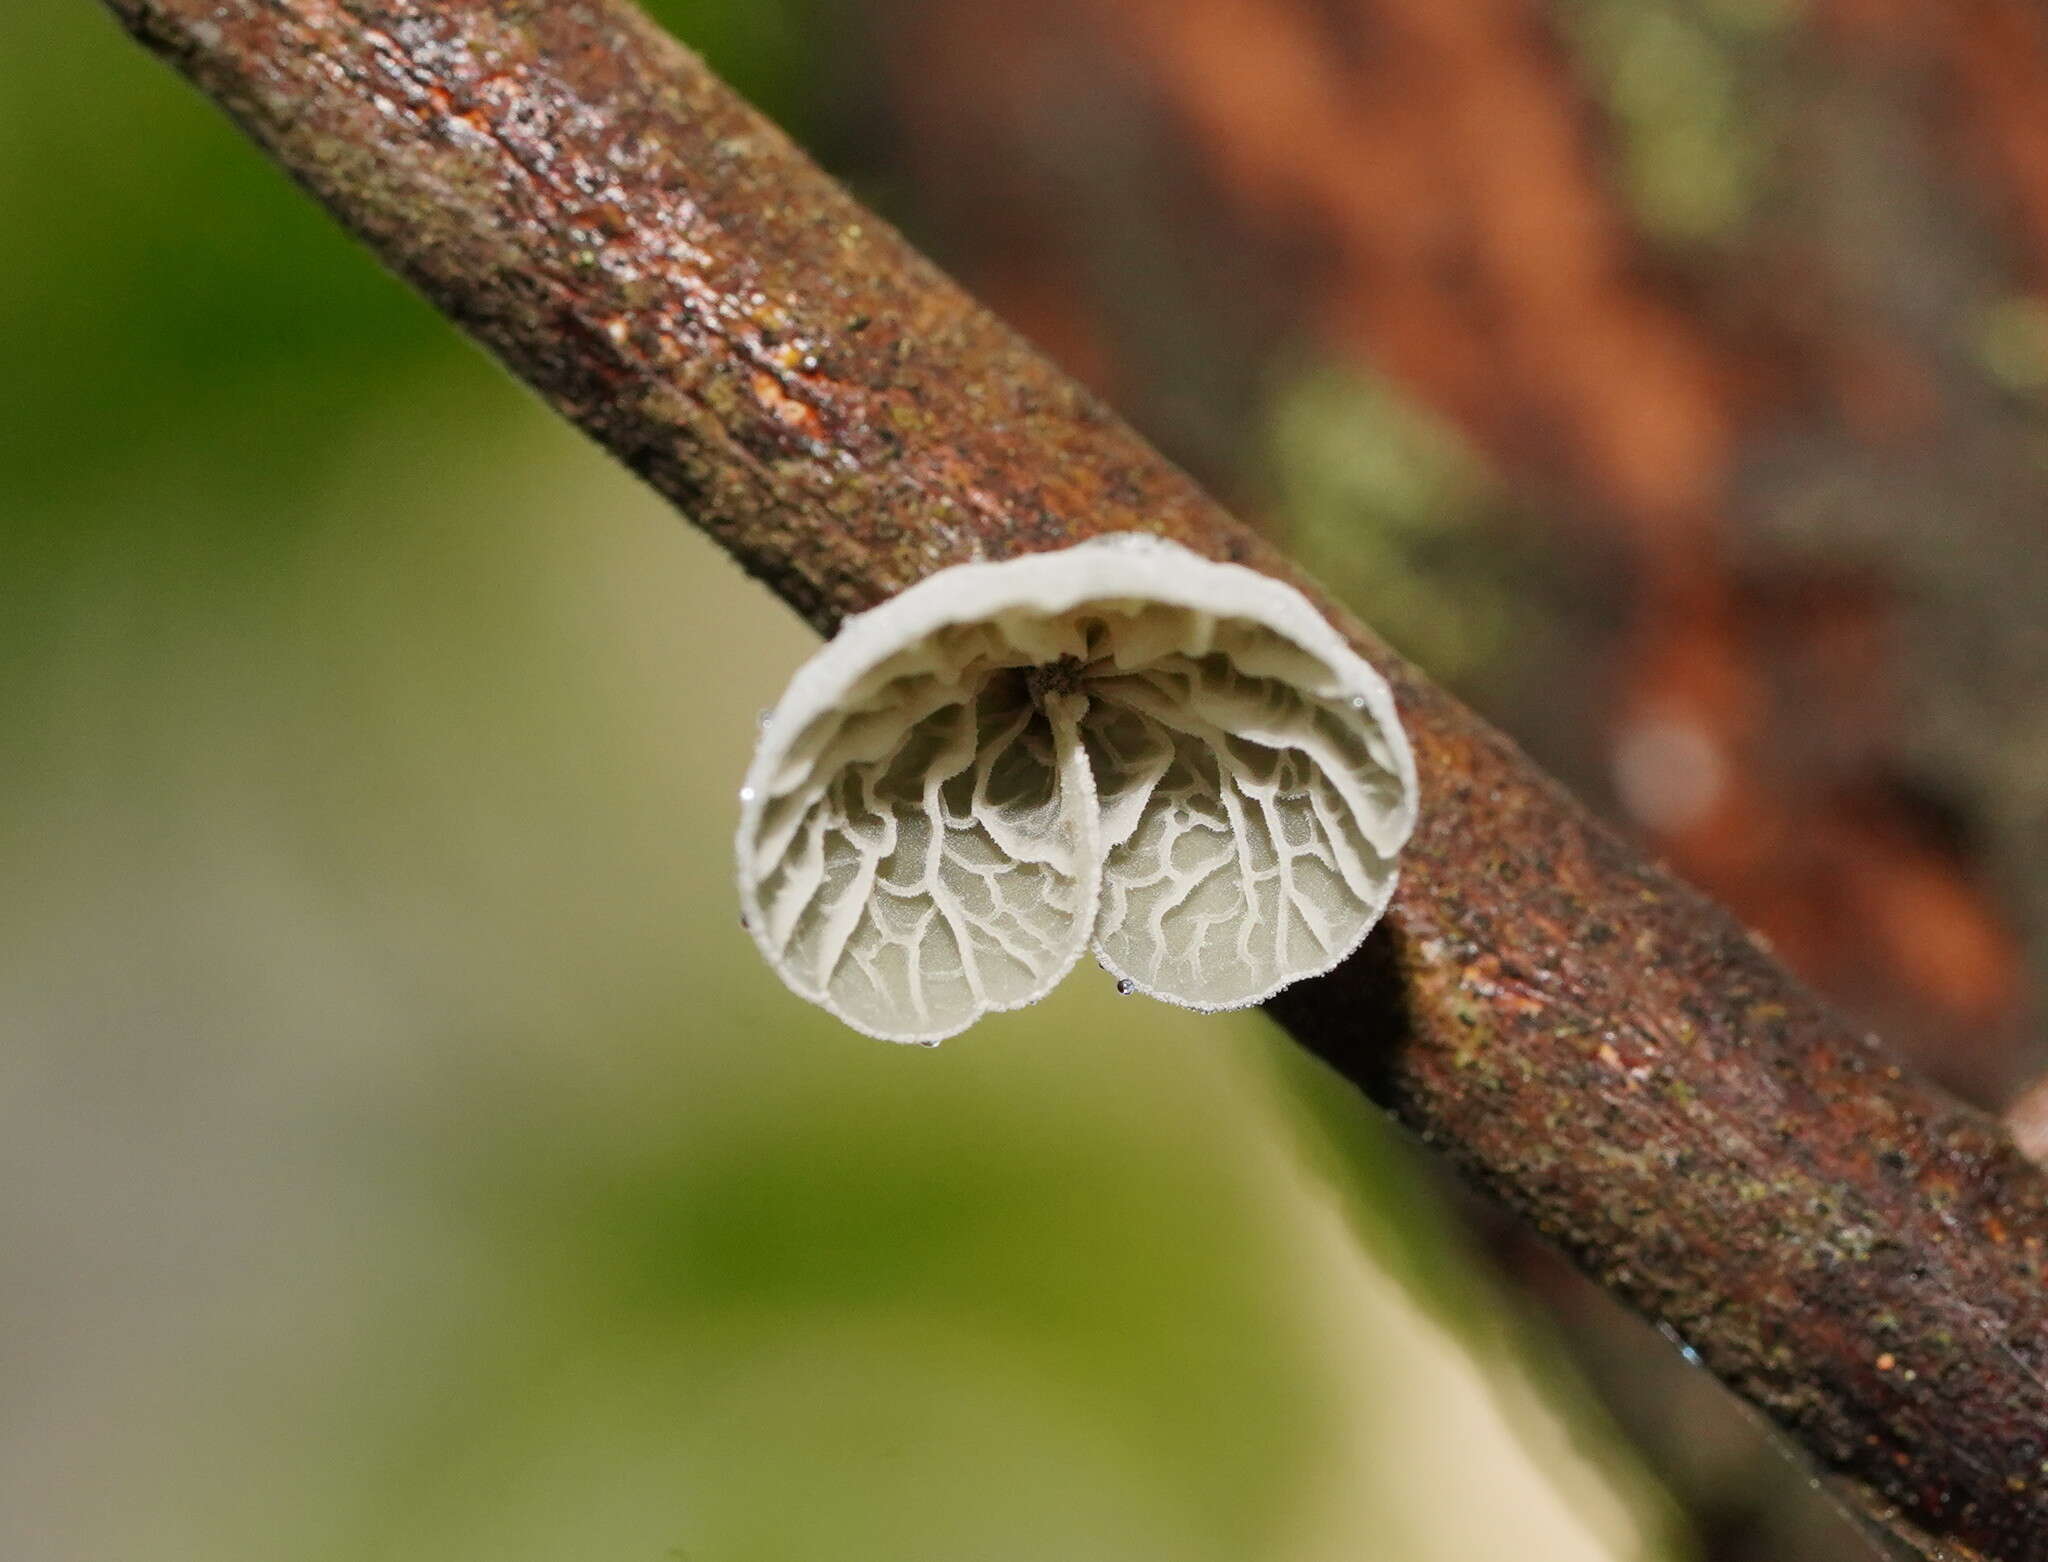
1595 1043
1722 390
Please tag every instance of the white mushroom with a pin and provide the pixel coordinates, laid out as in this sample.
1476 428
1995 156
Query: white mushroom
1120 744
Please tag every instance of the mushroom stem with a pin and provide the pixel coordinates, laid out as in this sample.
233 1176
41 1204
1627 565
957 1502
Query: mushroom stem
1062 677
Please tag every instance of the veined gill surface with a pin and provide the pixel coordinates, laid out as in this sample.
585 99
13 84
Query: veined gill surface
1120 745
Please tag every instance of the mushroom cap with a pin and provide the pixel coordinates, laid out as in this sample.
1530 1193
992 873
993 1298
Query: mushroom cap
1121 744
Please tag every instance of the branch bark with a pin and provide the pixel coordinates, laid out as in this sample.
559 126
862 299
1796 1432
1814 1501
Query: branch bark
1596 1044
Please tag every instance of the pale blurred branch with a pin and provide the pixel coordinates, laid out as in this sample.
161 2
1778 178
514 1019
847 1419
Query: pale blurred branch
1593 1042
2027 1120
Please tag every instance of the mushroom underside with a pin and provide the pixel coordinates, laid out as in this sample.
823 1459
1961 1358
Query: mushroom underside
1204 802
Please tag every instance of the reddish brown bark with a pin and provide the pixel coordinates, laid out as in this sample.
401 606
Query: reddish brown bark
1587 1038
1435 185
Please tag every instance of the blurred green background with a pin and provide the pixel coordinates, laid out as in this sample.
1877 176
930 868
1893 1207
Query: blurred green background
403 1153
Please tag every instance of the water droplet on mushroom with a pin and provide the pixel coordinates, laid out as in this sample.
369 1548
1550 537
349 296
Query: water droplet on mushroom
1125 987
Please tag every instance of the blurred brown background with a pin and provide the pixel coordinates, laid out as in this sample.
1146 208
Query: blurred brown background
405 1156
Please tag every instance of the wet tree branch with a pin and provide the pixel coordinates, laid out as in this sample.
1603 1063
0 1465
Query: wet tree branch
1591 1041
